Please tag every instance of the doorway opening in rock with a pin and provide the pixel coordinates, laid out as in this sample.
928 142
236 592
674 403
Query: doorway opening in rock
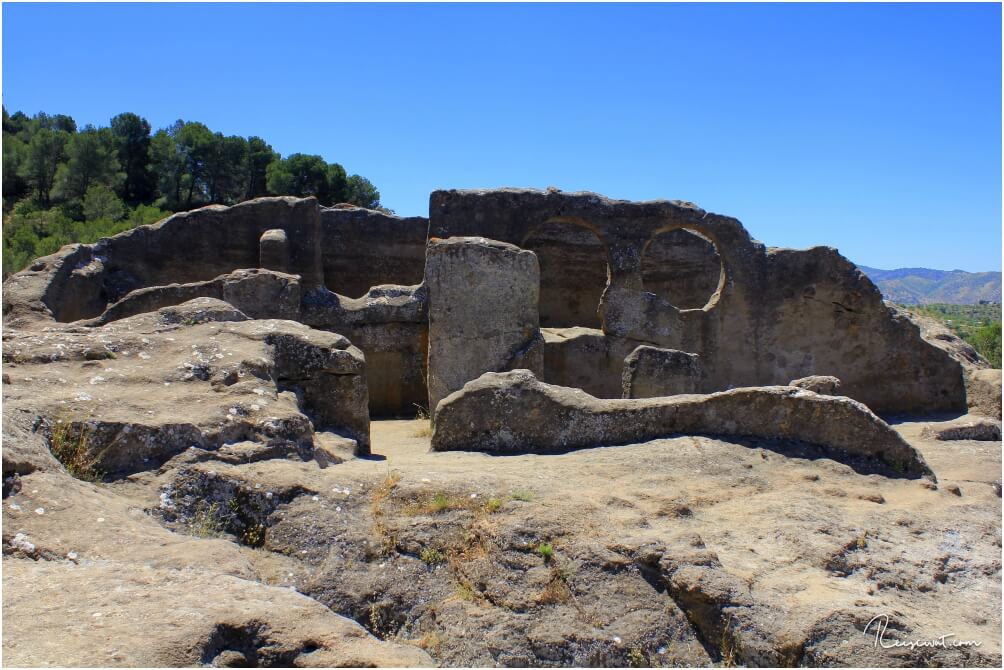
573 273
683 267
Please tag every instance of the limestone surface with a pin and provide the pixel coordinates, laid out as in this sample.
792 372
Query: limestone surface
685 550
774 314
637 272
274 249
587 359
259 293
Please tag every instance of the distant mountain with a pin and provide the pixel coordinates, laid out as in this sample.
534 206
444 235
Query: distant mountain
922 286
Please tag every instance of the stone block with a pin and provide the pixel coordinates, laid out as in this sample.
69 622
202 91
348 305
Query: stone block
483 315
651 372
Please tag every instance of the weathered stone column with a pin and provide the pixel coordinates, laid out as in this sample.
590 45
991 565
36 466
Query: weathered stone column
483 313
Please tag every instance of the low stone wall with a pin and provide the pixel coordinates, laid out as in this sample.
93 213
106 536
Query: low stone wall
260 294
513 412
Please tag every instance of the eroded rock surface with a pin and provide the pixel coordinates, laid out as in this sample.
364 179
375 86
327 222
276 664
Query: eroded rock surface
939 335
105 584
967 428
136 392
772 316
260 294
675 551
664 273
587 359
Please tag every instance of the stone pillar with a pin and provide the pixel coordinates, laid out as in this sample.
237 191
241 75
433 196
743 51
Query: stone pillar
652 372
273 249
483 313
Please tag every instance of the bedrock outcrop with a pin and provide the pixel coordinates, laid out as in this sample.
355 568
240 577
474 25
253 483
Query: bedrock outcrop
970 427
514 412
142 389
191 477
258 293
682 550
653 371
92 579
685 550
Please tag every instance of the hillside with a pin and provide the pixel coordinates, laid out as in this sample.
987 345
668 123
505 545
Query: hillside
922 286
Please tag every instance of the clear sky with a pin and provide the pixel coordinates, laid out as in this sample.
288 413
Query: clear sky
872 128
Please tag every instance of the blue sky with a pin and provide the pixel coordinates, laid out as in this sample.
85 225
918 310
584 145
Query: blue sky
872 128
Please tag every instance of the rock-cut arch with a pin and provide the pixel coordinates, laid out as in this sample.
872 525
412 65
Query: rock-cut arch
573 272
683 267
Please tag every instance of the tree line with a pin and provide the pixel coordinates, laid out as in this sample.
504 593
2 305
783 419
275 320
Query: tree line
64 184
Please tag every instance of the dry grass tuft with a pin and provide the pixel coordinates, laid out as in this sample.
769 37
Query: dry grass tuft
205 521
383 540
556 591
431 642
422 428
423 423
728 646
440 502
70 443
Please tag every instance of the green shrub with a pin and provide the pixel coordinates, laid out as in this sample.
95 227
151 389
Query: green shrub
29 232
987 340
431 556
493 505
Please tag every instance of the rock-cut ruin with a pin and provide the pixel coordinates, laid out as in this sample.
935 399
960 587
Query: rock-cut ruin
188 357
